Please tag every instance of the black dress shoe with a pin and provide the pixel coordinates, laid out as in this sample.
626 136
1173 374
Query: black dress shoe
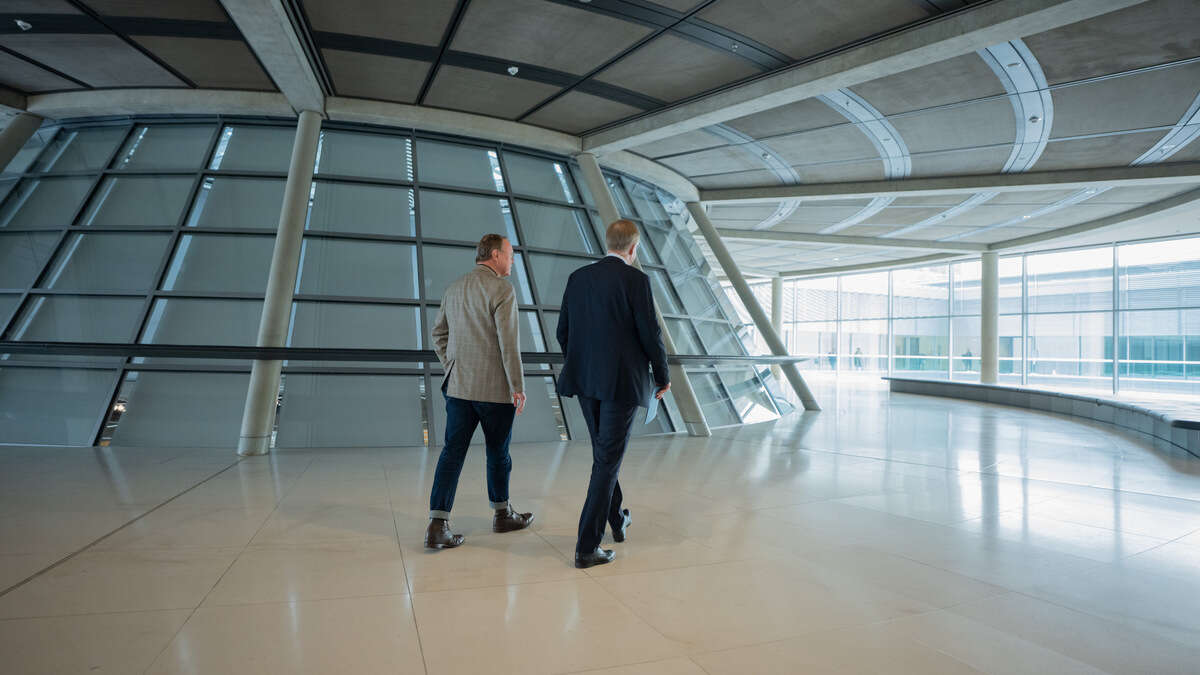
618 533
438 535
598 557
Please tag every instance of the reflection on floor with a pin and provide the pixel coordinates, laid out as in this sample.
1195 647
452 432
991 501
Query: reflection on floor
889 533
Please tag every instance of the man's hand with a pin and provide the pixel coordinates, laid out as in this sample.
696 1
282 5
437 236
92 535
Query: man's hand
660 392
519 402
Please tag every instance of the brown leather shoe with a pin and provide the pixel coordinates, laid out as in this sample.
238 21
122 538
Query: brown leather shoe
438 535
507 520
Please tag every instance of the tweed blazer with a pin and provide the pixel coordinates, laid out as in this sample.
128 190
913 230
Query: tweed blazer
476 339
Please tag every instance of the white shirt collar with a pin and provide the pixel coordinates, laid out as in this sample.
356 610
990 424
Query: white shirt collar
614 255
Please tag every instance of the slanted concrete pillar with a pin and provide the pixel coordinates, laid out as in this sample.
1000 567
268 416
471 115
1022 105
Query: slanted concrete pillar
259 416
777 316
681 386
14 136
756 312
989 316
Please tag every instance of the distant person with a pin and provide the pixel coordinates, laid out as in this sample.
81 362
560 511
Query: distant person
612 342
832 360
858 358
476 339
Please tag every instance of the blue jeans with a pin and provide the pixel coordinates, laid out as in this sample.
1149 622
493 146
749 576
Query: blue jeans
462 417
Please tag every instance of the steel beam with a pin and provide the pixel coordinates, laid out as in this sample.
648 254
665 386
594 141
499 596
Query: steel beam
1180 173
849 240
931 41
270 33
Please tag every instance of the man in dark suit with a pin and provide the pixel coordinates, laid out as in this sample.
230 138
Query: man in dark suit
611 341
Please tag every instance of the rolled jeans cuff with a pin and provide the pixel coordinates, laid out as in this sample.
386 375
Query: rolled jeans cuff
444 515
496 506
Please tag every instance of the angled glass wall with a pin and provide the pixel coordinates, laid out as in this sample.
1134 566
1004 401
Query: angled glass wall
162 231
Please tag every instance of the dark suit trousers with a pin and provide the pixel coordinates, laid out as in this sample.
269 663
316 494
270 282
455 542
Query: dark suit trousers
609 424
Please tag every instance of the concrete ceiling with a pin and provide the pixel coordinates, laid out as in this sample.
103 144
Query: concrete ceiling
1115 90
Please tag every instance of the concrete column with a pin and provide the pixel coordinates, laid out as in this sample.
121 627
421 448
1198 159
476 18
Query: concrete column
989 316
777 317
14 136
259 416
681 386
756 312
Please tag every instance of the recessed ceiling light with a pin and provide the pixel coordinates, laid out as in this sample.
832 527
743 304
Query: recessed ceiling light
23 25
766 156
1035 119
1168 146
1015 64
1025 217
513 70
734 46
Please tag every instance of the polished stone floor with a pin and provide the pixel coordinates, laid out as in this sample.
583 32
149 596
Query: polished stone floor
889 533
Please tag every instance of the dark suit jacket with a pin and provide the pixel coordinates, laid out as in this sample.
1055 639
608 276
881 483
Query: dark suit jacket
609 335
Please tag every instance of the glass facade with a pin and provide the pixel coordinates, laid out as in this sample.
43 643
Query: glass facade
162 231
1058 314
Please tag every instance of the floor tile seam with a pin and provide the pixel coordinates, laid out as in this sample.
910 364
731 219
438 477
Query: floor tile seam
75 615
412 605
1118 622
73 555
489 587
1044 549
1161 540
300 601
639 617
586 671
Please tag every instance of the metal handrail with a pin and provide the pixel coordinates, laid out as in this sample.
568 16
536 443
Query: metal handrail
318 353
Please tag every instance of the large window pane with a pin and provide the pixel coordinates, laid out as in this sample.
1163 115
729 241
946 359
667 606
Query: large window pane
645 203
539 177
250 148
166 147
342 267
139 201
624 206
355 326
362 209
220 263
696 294
864 347
556 227
80 149
196 410
749 396
815 299
22 256
44 204
542 420
685 337
817 341
69 318
52 406
660 286
1160 274
585 192
1071 281
865 296
550 273
463 165
183 321
718 409
1160 352
921 291
238 203
718 338
321 411
550 326
349 153
1071 350
444 264
921 347
463 217
108 262
187 321
968 278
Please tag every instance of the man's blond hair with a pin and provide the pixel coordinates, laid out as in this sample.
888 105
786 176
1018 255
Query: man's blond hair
621 235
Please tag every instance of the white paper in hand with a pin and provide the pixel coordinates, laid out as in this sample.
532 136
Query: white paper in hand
652 408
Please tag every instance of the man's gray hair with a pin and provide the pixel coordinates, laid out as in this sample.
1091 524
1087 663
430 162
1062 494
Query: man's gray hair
621 235
489 243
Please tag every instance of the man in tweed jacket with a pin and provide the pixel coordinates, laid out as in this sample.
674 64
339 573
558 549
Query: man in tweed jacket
476 340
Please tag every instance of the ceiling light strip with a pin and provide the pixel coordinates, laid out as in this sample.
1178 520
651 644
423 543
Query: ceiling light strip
774 163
